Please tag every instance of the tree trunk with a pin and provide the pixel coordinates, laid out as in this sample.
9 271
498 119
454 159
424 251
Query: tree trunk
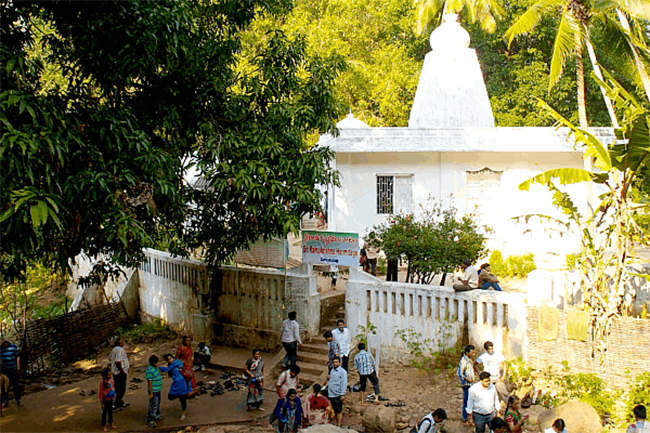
594 64
444 278
643 73
580 75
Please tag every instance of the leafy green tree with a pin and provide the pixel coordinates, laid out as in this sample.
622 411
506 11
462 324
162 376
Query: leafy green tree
573 36
376 38
433 243
97 163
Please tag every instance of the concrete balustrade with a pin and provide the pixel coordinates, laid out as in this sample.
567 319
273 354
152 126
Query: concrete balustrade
437 313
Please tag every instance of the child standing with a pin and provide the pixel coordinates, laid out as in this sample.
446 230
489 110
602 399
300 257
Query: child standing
154 387
106 398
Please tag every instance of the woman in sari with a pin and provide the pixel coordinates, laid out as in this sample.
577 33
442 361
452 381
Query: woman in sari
185 353
513 416
289 413
317 408
254 372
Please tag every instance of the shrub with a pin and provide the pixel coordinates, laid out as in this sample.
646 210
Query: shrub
513 266
639 393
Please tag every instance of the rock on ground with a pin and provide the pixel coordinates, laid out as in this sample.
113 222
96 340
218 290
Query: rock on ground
379 419
578 416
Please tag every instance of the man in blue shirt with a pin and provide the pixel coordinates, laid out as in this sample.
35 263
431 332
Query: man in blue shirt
337 387
366 366
10 356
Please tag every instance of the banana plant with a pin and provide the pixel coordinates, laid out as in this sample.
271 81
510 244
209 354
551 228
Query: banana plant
607 234
486 12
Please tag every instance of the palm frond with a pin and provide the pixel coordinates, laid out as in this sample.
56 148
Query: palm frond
567 37
565 176
532 17
594 147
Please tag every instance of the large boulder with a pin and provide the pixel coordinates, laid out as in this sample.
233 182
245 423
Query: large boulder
379 419
578 416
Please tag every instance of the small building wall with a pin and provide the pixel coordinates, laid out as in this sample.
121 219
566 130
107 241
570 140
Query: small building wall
238 306
440 174
434 311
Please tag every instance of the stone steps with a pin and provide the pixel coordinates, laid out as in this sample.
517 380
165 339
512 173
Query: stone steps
318 348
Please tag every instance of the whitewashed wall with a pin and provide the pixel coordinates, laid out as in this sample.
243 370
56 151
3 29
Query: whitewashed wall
561 288
440 174
499 317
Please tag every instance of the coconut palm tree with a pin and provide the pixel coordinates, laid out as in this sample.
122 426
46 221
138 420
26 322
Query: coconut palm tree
573 37
486 12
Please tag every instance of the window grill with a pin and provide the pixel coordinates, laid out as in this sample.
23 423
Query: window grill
384 194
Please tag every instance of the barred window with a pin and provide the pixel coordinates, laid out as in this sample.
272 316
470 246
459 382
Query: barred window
394 193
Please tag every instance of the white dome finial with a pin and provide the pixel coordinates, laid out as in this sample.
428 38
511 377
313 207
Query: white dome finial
450 35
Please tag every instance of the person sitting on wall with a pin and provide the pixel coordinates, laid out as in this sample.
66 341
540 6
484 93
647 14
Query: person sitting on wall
470 278
487 279
202 357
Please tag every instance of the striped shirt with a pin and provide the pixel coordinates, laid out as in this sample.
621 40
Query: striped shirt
364 363
334 351
338 384
9 356
466 371
153 375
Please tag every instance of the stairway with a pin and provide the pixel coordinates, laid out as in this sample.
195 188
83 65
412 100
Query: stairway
312 358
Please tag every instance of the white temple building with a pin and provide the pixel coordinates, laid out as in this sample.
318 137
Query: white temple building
452 147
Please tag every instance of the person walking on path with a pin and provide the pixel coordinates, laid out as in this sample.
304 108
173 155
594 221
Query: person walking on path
641 424
120 369
254 372
494 363
467 376
287 380
181 387
392 267
10 357
342 336
487 279
366 366
372 252
289 413
483 403
337 387
333 349
106 397
470 278
154 388
432 421
291 340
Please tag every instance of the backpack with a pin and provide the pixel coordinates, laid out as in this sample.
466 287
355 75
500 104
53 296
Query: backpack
427 417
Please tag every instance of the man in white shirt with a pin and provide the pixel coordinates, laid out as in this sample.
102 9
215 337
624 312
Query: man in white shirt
494 363
483 403
291 340
342 336
641 425
120 368
470 278
337 387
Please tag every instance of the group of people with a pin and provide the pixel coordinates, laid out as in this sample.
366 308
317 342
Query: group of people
325 403
472 279
180 367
